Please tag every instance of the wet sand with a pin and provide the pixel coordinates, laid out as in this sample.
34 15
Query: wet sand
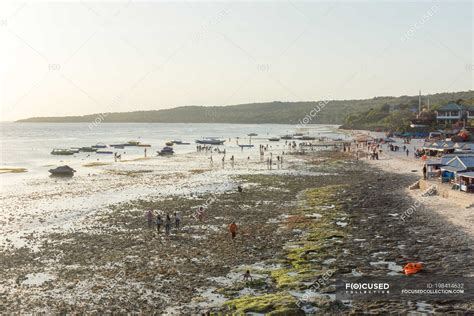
326 214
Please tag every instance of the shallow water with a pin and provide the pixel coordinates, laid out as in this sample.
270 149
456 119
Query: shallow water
34 203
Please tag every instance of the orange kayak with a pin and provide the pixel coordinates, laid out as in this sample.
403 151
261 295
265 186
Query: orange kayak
413 267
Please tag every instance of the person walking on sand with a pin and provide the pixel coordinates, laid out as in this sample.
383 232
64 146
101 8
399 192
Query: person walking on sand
408 152
177 220
149 217
168 225
233 230
159 222
247 276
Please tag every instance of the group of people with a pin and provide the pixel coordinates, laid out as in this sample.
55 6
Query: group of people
159 222
200 215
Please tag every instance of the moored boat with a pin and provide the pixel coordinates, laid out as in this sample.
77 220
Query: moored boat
100 145
62 152
246 146
210 141
88 149
64 171
104 152
252 134
287 137
179 142
274 139
307 138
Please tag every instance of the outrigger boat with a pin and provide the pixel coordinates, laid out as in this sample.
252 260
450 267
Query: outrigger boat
88 149
63 171
210 141
246 146
63 152
100 145
166 151
179 142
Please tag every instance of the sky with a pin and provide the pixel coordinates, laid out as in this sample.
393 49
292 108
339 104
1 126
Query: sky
78 57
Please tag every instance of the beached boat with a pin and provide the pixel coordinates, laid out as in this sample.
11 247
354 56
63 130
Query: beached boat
143 145
246 146
75 150
104 152
169 143
287 137
88 149
63 171
63 152
307 138
166 151
274 139
100 145
210 141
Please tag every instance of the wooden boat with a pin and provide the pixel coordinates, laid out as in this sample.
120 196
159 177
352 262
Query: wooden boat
274 139
307 138
132 143
87 149
63 152
118 146
63 171
179 142
246 146
287 137
166 151
75 150
104 152
210 141
100 145
143 145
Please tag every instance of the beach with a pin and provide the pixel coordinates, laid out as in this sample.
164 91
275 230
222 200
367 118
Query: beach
85 247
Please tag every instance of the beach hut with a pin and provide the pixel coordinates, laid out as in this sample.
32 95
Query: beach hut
457 165
466 182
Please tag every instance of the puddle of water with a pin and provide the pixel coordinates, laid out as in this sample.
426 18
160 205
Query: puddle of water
37 279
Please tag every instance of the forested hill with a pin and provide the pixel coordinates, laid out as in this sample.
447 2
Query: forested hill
334 112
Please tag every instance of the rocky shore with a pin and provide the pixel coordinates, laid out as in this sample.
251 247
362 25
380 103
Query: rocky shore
334 216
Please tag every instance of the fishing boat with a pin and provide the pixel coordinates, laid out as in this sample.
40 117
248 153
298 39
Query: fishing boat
75 149
63 171
118 146
104 152
246 146
287 137
274 139
179 142
100 145
143 145
132 143
252 134
210 141
166 151
307 137
298 134
63 152
87 149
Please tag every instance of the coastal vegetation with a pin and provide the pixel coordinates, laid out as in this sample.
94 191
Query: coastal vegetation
334 112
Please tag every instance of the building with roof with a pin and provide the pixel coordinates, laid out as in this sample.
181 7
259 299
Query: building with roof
452 113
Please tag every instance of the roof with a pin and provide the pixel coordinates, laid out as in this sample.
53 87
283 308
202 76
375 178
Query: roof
434 162
468 161
451 169
467 174
451 107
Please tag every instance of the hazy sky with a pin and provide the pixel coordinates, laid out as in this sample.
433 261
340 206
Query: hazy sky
69 58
